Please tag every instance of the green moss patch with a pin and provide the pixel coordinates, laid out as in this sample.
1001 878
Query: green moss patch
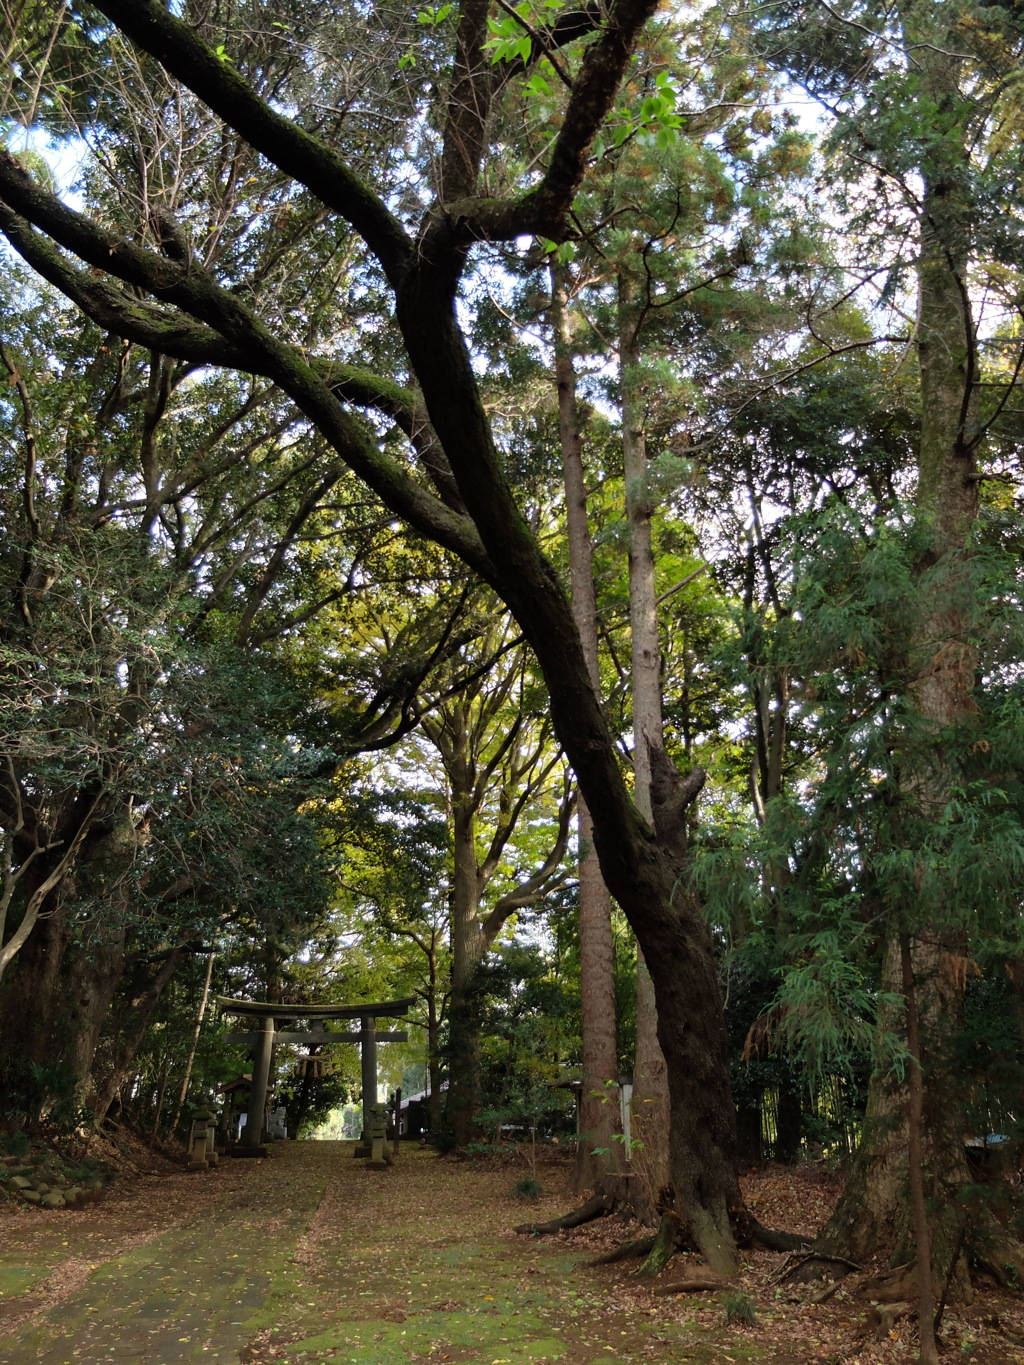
20 1279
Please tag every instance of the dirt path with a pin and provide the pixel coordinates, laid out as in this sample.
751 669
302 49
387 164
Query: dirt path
310 1259
188 1286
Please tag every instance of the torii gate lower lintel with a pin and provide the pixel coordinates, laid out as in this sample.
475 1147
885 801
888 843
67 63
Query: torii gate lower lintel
263 1042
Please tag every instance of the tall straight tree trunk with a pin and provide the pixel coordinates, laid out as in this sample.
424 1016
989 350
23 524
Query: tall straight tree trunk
57 995
877 1209
467 950
650 1105
598 1152
161 1090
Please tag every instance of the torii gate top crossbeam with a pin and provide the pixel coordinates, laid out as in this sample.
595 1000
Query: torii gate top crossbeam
264 1009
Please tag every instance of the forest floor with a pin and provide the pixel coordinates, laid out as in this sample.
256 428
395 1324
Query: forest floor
308 1258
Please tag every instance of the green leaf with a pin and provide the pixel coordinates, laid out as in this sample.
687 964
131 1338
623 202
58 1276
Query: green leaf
434 16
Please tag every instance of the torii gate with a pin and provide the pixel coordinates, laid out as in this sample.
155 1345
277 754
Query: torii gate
263 1043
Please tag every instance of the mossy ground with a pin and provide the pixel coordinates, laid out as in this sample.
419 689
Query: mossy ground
310 1258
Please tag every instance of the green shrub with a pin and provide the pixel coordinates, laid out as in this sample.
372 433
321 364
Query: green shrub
527 1188
739 1307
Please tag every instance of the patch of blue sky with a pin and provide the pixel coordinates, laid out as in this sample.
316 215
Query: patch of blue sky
65 157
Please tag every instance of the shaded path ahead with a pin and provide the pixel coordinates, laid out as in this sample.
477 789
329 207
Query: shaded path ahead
195 1290
311 1259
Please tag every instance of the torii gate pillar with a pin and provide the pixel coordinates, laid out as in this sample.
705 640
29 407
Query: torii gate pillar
368 1058
252 1134
263 1046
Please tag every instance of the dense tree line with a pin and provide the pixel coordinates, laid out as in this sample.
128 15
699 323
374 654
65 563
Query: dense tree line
362 300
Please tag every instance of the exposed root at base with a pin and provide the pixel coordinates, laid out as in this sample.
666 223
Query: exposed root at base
692 1286
752 1233
624 1251
818 1258
670 1237
597 1206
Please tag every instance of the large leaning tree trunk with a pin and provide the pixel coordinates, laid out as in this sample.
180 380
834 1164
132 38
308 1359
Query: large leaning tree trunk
473 511
920 965
599 1150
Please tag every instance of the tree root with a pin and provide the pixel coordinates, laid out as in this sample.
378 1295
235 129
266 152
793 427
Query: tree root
624 1251
671 1235
611 1196
880 1320
892 1286
817 1256
770 1239
991 1248
597 1206
663 1247
694 1286
825 1293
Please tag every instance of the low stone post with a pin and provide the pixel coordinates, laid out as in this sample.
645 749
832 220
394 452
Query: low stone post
380 1156
197 1145
222 1130
211 1140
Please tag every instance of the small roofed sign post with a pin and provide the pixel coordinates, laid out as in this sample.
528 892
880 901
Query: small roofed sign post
264 1039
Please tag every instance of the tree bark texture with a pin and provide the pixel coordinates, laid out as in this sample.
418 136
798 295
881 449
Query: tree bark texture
467 952
435 1065
875 1211
29 998
915 1164
651 1118
598 1152
94 968
66 976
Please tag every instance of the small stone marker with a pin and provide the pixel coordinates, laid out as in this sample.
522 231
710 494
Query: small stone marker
211 1141
380 1158
197 1160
